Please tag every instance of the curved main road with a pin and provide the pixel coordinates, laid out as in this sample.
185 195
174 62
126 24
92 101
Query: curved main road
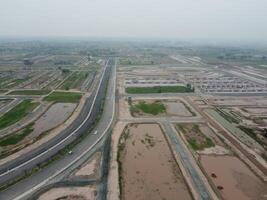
85 120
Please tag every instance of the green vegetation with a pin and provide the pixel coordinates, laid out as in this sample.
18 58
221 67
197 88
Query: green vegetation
17 113
20 135
64 97
230 118
159 89
201 146
196 139
151 108
74 80
251 133
29 92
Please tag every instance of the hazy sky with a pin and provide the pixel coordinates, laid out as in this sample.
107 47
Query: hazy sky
181 19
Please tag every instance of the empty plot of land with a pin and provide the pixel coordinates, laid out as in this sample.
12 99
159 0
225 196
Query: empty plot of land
178 108
91 168
233 179
54 116
147 167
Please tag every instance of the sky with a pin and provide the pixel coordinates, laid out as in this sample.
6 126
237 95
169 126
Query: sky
177 19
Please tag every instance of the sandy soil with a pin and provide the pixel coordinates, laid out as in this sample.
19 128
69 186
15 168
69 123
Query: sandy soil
149 170
177 108
54 116
71 193
124 112
233 178
90 168
216 150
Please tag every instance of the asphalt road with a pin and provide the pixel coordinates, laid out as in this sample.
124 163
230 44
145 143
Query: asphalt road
184 157
59 169
82 123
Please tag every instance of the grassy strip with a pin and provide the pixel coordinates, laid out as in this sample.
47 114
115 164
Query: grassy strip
16 138
17 113
64 97
159 89
151 108
29 92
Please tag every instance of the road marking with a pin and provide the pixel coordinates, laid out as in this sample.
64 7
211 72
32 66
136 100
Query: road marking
79 157
63 140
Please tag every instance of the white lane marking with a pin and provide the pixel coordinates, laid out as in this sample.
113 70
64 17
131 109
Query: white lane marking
79 157
63 140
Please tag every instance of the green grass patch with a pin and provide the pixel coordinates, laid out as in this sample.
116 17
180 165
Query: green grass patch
20 135
72 97
198 147
154 108
17 113
29 92
159 89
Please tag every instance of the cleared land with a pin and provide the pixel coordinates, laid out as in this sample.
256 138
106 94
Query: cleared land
64 97
158 89
147 169
29 92
233 179
17 113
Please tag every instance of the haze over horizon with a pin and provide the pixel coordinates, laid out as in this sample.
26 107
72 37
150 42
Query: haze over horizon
239 20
